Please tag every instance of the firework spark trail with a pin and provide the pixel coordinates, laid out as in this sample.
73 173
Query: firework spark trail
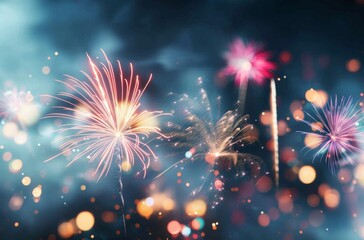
246 62
338 132
242 96
119 158
214 142
273 102
105 119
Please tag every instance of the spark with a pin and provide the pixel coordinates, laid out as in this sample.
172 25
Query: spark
338 132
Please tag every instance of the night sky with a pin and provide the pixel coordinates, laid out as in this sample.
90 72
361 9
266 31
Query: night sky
314 45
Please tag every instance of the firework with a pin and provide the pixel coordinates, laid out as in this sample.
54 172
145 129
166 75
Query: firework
17 111
214 141
338 132
105 121
14 104
247 62
275 132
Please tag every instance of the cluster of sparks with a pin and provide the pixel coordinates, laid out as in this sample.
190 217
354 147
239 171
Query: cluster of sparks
215 142
105 118
338 132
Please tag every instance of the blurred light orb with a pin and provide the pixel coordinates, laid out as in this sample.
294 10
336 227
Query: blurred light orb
285 57
312 140
149 201
144 210
353 65
359 174
323 188
21 138
174 227
37 191
186 231
298 115
313 200
311 95
46 70
108 217
26 181
307 174
188 154
126 166
66 230
15 165
7 156
285 202
15 203
168 204
210 158
264 220
266 118
197 223
10 129
29 97
282 127
218 184
196 208
264 184
295 105
29 113
321 99
332 198
345 175
85 221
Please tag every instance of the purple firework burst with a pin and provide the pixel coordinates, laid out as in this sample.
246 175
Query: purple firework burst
337 132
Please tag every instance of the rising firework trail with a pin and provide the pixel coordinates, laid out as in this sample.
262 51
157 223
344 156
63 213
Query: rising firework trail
273 104
105 121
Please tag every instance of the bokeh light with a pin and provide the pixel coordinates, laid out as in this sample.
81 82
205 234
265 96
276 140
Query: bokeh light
174 227
85 221
15 165
196 208
307 174
16 202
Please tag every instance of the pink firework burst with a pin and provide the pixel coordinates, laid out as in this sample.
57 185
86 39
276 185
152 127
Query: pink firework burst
338 132
105 119
247 62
